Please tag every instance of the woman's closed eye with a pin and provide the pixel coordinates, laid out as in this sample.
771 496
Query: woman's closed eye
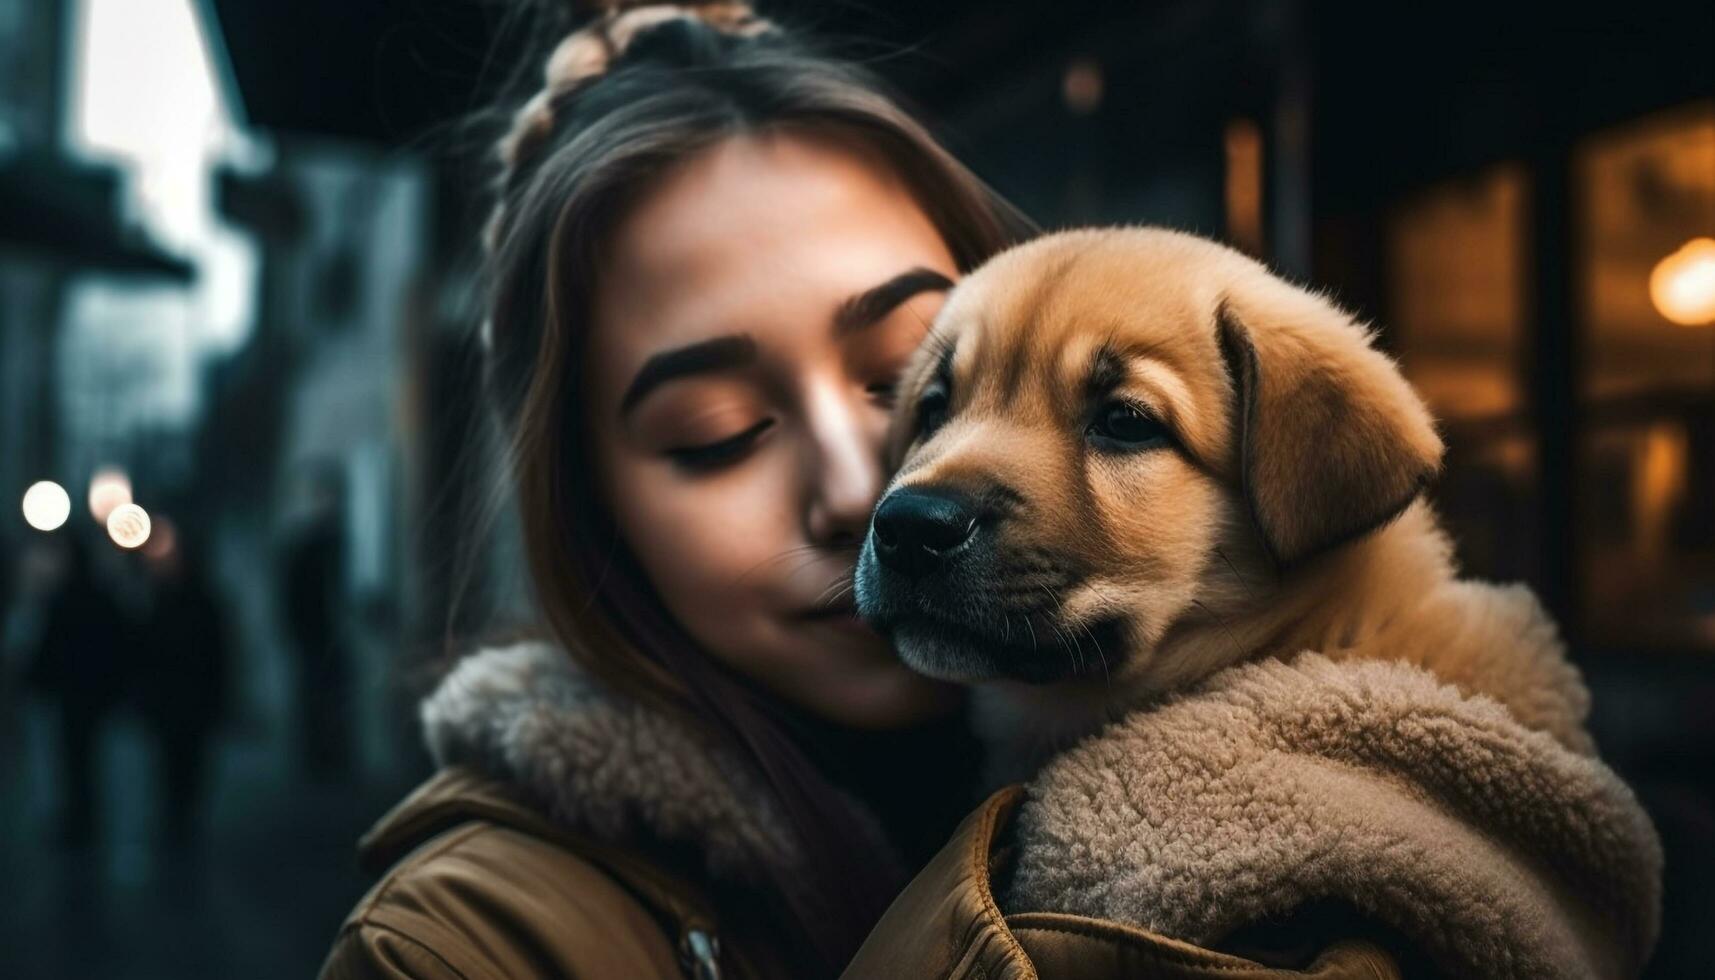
721 452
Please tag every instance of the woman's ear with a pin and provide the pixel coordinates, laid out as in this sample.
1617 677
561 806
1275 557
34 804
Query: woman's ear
1332 440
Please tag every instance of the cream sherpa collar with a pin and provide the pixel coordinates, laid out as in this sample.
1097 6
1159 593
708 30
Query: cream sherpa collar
525 715
1502 851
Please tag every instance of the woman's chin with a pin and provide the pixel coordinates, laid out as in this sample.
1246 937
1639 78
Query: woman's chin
879 693
840 670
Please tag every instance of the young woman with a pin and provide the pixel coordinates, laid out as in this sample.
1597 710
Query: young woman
712 252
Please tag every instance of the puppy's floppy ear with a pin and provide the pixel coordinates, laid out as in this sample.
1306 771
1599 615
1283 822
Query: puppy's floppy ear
1332 441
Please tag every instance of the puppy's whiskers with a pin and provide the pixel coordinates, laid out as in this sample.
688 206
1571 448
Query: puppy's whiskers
801 566
1074 651
1107 678
837 591
1107 604
1069 645
772 560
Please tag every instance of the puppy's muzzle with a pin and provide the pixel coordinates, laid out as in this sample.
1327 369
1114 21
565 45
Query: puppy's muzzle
917 532
937 578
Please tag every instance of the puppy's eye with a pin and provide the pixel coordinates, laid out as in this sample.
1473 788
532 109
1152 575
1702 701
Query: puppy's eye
1123 427
931 409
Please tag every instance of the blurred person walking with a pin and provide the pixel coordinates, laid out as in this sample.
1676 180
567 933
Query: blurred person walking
185 684
81 663
312 578
14 624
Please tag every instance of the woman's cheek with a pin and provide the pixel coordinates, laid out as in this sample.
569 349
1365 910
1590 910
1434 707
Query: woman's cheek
712 536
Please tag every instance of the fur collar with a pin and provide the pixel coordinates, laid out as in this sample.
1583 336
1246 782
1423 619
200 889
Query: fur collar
595 762
1502 850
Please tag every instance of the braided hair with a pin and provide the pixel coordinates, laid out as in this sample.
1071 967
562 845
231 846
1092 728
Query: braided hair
633 89
585 55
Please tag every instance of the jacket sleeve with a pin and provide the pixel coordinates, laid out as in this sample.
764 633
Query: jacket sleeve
369 952
488 903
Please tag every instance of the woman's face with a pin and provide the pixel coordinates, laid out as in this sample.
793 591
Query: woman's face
751 318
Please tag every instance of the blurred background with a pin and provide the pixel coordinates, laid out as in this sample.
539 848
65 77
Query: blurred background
240 443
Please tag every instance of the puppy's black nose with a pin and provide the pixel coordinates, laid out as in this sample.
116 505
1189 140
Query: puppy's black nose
915 530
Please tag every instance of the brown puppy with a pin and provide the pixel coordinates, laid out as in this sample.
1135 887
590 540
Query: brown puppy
1130 457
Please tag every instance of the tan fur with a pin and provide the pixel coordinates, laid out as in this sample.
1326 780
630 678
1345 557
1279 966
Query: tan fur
1285 519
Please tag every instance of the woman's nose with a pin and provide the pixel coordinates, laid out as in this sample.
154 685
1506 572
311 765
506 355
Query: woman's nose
845 470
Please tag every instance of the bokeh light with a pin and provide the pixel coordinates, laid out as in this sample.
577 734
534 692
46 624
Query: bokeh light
108 488
163 539
1081 86
1682 286
128 526
46 505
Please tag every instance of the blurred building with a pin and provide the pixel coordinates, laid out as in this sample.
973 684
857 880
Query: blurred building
223 317
62 224
320 391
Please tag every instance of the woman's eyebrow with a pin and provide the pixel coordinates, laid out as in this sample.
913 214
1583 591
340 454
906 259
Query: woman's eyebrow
702 357
871 305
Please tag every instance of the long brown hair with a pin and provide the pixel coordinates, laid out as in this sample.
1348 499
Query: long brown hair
622 104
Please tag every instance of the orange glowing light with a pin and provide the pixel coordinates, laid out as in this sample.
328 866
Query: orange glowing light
1682 286
128 526
1244 185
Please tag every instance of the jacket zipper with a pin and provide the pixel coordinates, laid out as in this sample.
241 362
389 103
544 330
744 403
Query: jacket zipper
699 954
